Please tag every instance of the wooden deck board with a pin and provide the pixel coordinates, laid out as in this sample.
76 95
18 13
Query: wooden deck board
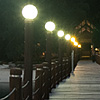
84 85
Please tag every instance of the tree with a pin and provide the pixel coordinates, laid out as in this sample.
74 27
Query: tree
11 29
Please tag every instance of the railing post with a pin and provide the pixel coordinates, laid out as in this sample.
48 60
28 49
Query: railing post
38 83
72 55
16 82
46 69
69 66
57 73
63 69
66 67
52 74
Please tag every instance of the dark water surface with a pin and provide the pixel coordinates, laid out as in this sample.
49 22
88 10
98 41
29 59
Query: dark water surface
4 89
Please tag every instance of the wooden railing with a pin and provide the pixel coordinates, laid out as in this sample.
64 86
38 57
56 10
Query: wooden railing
58 73
45 80
41 82
10 94
15 85
98 59
24 88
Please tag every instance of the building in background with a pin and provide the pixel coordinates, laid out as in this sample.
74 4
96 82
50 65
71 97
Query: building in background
84 32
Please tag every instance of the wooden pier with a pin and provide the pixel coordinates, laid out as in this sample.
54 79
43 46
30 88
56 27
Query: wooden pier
84 84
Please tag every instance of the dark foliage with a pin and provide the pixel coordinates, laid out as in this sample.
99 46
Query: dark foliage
65 13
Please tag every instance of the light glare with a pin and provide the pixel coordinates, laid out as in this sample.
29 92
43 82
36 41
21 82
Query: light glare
79 46
29 12
50 26
96 49
60 33
73 39
75 43
67 37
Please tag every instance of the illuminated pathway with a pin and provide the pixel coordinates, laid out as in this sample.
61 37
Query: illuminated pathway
84 85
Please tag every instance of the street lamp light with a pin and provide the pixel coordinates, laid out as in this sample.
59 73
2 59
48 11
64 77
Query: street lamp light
73 39
49 26
72 54
79 50
67 37
29 12
79 46
60 33
75 43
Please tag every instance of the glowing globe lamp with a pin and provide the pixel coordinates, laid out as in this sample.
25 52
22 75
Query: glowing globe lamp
50 26
75 43
60 33
29 11
73 39
67 37
79 46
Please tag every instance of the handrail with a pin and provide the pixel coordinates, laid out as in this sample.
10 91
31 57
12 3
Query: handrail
4 98
43 84
36 91
43 74
43 95
27 97
59 71
25 84
36 78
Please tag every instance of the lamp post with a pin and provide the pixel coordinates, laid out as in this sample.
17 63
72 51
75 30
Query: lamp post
60 34
73 54
49 26
68 37
29 12
79 50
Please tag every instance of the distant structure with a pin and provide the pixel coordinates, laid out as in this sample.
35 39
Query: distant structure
84 32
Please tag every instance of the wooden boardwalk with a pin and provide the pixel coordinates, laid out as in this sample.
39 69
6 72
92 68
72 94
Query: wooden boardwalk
83 85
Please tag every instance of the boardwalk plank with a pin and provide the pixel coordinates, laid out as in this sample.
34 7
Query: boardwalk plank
83 85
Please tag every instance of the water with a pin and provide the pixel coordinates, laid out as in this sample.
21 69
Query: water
4 89
4 81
